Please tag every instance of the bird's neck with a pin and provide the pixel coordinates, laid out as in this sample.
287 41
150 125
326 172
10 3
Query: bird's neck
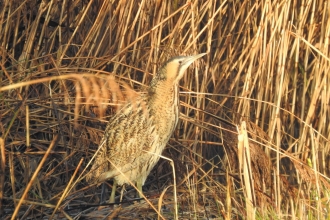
163 103
163 94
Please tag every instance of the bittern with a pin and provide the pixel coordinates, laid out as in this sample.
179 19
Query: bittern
138 133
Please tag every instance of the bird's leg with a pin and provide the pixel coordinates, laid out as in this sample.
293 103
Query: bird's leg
139 187
103 192
122 192
113 192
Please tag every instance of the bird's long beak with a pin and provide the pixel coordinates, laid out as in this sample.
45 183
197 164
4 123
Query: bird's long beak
198 55
189 60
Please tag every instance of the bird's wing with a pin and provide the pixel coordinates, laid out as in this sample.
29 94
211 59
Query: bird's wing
126 139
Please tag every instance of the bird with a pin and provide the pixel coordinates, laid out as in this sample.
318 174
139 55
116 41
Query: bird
137 134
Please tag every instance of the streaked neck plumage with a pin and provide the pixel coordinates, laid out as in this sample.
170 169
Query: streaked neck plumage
163 94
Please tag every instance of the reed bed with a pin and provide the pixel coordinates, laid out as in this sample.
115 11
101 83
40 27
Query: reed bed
253 139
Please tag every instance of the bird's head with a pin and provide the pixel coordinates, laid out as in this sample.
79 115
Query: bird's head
174 68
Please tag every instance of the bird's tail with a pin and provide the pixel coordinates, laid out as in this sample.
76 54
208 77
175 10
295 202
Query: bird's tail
95 172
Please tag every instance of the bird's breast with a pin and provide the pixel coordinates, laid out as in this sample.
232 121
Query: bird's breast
165 111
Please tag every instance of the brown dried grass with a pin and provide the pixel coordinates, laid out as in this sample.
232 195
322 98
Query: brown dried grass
65 68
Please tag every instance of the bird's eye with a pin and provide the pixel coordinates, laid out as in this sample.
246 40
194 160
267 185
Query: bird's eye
180 62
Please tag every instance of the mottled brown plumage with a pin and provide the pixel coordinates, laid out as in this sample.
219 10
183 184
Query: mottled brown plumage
136 136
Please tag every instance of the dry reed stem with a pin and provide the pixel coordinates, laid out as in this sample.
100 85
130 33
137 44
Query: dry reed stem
245 169
2 171
33 179
66 190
